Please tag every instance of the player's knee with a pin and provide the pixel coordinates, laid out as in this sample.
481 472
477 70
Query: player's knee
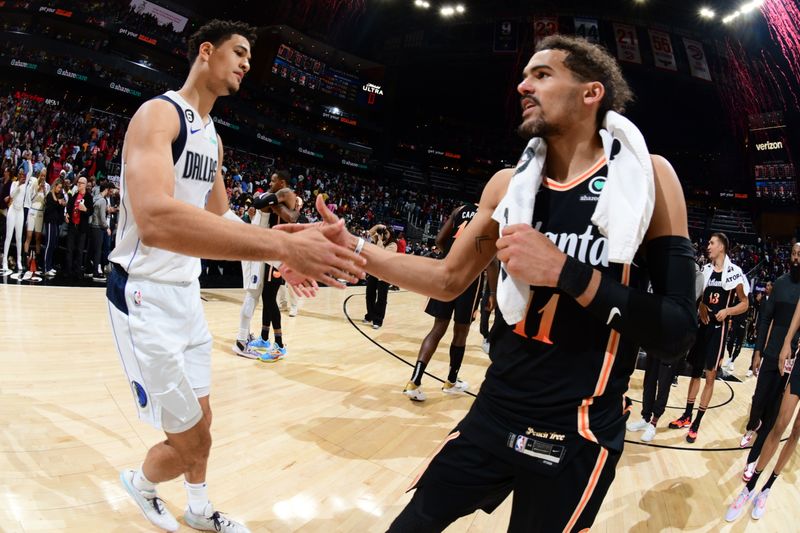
782 423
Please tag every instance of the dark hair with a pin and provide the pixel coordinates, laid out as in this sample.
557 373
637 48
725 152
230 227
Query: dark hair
388 233
592 62
217 32
103 186
722 238
283 175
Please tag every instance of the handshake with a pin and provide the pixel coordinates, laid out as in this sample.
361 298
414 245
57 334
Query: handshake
324 251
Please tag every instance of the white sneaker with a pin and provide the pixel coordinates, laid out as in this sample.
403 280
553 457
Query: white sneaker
248 351
749 470
485 345
293 310
152 506
736 508
649 433
748 437
639 425
51 273
748 374
414 392
455 388
212 520
760 505
27 275
731 368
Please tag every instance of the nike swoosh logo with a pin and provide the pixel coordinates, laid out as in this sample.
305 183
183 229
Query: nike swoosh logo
194 131
614 312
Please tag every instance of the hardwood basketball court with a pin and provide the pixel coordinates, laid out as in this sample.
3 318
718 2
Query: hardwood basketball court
322 441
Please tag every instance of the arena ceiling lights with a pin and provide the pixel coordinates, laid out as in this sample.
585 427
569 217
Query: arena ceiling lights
446 10
707 13
743 10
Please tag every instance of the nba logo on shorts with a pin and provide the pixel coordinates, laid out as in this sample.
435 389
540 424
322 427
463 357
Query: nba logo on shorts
520 444
137 297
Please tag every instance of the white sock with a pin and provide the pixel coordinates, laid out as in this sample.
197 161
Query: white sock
244 333
140 482
198 496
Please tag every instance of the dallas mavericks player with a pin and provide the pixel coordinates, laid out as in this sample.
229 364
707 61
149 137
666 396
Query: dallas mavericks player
173 203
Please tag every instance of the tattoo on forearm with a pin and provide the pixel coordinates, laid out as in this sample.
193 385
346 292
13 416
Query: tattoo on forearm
479 240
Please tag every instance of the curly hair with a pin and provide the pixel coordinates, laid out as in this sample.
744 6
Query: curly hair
217 32
592 62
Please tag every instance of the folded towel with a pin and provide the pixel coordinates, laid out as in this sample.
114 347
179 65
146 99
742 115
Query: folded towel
623 211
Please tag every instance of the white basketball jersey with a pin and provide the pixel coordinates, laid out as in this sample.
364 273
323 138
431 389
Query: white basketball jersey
195 153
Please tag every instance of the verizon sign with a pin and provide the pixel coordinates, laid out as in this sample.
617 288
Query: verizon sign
768 146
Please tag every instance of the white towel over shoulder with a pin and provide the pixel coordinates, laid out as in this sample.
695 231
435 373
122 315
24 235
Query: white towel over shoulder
622 214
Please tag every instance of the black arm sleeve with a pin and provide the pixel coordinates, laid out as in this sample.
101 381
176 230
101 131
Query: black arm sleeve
265 199
663 322
764 321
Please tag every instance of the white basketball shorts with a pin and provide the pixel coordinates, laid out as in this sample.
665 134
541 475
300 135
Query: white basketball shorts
163 341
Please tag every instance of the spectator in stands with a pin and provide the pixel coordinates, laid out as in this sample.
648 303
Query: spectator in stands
5 192
79 208
401 243
53 218
377 289
14 220
98 222
35 219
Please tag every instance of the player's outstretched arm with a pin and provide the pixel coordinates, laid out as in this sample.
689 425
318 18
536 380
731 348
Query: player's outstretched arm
167 223
441 279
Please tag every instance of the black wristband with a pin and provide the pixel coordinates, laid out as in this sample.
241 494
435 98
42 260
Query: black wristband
575 277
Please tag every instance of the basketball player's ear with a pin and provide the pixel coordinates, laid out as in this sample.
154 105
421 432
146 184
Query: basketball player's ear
206 49
595 91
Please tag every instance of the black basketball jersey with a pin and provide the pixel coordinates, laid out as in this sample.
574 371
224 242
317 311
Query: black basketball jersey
715 297
558 378
462 217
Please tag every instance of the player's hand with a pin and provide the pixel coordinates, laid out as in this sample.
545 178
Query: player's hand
331 226
301 285
314 253
785 355
721 315
490 303
529 256
703 313
756 362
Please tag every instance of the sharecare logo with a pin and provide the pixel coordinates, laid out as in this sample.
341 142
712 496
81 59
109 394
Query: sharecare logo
23 64
69 74
769 146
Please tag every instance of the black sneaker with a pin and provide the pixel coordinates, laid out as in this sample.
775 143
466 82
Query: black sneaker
675 381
